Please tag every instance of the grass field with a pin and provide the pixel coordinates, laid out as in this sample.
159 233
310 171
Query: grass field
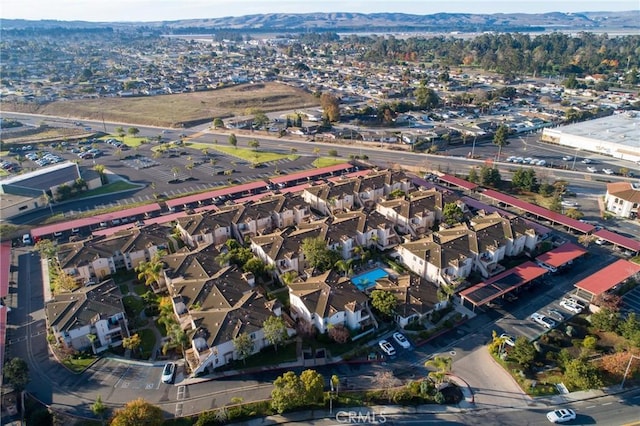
328 161
181 109
249 154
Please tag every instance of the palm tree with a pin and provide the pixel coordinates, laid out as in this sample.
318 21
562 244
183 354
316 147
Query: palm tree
151 272
442 364
345 266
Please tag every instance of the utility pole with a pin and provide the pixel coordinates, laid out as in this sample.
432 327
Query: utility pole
627 370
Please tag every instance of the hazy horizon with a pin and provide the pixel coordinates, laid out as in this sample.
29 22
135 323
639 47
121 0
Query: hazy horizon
170 10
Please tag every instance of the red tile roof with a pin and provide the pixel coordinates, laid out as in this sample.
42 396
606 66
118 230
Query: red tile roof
561 255
307 174
461 183
539 211
5 268
237 189
619 240
502 283
88 221
607 278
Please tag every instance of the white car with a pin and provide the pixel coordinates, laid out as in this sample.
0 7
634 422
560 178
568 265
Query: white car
607 171
587 161
401 340
387 347
168 372
541 163
508 340
570 306
592 169
511 159
561 416
600 242
549 268
567 158
566 203
542 320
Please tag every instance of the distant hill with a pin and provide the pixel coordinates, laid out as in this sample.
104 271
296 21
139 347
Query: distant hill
360 22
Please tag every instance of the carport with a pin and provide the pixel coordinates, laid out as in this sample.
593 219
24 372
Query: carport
619 240
606 279
562 256
503 283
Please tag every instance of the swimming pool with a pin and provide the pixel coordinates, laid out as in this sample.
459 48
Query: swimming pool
368 279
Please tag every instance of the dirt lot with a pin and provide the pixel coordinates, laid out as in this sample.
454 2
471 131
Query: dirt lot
181 109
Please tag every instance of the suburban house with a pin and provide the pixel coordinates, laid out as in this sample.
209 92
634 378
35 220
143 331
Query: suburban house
414 214
330 299
444 257
89 317
623 199
257 218
186 265
343 232
417 298
376 185
213 227
334 197
283 248
98 257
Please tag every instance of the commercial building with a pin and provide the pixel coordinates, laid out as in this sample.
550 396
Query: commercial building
617 135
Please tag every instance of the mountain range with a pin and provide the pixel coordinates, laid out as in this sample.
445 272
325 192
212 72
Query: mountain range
360 22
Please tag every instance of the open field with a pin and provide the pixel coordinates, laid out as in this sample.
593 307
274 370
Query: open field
179 110
43 134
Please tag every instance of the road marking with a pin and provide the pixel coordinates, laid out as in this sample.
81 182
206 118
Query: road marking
607 403
591 406
178 412
181 392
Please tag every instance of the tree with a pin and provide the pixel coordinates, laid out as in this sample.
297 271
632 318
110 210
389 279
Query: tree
330 107
243 345
384 302
233 140
288 392
63 280
119 131
605 320
556 204
525 179
46 248
608 300
616 364
574 214
98 408
254 265
133 131
253 144
332 153
339 334
452 213
99 168
151 272
344 266
630 329
426 97
318 255
473 175
132 342
260 119
138 412
582 374
523 352
500 138
490 176
313 384
217 123
275 330
442 364
16 373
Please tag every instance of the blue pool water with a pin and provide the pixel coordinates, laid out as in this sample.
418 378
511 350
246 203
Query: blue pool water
368 279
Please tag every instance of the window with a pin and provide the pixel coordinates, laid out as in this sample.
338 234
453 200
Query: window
635 206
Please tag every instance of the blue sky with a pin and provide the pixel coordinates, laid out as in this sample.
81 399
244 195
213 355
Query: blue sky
159 10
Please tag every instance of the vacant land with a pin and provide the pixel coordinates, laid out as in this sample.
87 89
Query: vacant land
179 110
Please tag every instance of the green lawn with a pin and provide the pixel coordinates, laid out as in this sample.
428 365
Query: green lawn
267 357
328 161
248 154
131 141
140 289
148 342
107 189
4 173
78 365
133 305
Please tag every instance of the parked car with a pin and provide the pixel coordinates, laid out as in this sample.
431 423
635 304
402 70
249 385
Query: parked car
600 242
607 171
555 314
542 320
508 340
387 347
26 240
168 372
570 306
401 340
587 161
561 416
551 269
566 203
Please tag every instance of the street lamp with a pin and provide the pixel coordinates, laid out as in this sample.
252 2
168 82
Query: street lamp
473 147
575 157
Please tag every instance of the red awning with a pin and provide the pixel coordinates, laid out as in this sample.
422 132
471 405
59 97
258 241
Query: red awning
607 278
562 255
617 239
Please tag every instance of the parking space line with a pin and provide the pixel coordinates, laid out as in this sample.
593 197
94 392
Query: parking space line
181 392
178 412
